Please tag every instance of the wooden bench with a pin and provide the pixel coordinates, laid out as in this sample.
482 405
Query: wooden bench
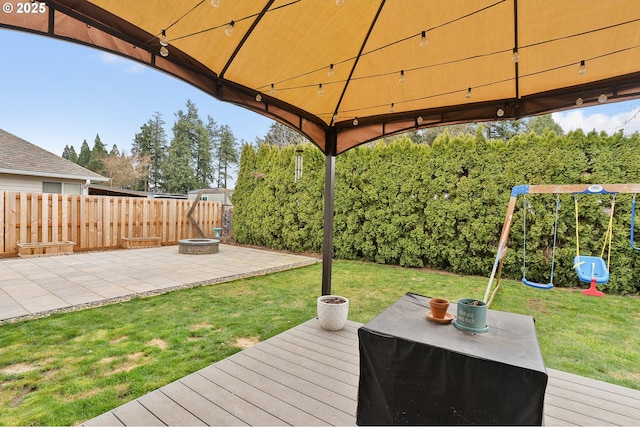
44 248
140 242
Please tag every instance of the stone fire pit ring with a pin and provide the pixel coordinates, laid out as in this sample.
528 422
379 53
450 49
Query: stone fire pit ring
198 246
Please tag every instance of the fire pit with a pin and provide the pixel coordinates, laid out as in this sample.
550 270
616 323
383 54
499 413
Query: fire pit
198 246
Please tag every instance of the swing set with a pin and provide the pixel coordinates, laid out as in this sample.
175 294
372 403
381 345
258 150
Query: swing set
590 269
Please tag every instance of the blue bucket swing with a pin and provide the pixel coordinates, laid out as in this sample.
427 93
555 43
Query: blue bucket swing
591 269
526 281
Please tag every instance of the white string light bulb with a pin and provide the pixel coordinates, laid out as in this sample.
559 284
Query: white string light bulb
163 38
392 109
164 51
579 101
468 95
423 39
402 78
602 98
355 121
516 56
229 28
320 89
258 97
500 112
215 3
273 88
583 68
331 71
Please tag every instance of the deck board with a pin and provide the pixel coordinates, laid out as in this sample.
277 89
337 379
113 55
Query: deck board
313 389
286 412
579 400
199 406
318 378
134 413
167 410
308 376
231 403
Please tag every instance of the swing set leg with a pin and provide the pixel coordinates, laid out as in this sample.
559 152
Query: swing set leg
592 289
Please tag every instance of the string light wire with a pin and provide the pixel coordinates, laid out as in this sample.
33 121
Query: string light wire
401 40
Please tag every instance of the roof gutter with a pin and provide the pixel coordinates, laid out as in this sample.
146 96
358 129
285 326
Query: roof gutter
53 175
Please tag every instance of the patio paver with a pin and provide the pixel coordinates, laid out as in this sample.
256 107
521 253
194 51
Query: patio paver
34 287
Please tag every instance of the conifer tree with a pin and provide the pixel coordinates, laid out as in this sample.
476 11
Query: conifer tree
280 135
226 154
151 142
85 154
98 153
69 153
540 124
187 166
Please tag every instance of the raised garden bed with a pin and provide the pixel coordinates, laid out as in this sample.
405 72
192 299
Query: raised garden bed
140 242
44 248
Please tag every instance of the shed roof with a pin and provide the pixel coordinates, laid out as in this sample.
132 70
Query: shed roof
20 157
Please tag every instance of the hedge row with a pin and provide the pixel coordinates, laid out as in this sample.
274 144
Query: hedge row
444 206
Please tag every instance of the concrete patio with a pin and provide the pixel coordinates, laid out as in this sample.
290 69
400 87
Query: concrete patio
37 286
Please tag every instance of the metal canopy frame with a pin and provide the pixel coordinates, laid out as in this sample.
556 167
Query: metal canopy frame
519 190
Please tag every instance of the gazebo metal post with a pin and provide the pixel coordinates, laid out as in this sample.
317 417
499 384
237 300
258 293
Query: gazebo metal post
329 191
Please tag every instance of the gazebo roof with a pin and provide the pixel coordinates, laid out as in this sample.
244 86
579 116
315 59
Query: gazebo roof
351 73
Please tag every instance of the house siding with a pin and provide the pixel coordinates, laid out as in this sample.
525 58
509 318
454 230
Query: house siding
32 184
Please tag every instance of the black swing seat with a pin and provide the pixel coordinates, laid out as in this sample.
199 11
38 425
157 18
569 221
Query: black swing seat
537 285
591 267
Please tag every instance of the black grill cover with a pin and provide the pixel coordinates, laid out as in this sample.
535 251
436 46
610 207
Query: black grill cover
417 372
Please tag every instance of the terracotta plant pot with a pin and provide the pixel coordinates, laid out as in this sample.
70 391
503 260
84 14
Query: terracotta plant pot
332 312
439 307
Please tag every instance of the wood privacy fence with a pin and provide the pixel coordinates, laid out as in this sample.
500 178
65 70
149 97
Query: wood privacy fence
99 222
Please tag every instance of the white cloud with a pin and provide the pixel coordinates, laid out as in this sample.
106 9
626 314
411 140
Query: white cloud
127 65
611 119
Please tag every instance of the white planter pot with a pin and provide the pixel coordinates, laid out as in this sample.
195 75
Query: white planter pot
332 312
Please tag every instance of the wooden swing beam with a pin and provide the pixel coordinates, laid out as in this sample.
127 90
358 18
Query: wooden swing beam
543 189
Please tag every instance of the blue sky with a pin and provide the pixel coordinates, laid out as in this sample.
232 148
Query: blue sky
56 93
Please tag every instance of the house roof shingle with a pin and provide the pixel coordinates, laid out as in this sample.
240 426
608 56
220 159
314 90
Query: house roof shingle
21 157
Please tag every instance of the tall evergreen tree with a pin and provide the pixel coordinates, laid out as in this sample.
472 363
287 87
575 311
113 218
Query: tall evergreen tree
280 135
188 164
504 129
85 154
180 176
540 124
98 153
429 135
201 147
214 140
152 143
226 154
69 153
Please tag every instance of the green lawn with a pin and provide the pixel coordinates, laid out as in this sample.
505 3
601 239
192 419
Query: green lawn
67 368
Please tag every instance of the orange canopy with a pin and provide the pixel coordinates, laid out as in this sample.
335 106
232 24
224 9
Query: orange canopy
347 72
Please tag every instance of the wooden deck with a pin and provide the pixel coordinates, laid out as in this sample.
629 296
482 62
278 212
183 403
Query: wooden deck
308 376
